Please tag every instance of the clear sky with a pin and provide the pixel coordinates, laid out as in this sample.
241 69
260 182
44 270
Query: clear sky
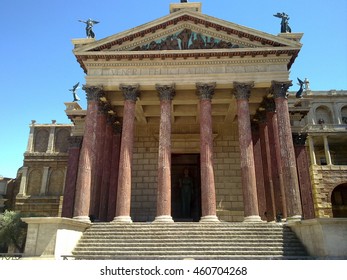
37 67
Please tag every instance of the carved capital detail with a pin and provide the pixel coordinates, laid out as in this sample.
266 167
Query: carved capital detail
75 141
165 92
243 90
93 92
130 92
299 139
205 90
280 89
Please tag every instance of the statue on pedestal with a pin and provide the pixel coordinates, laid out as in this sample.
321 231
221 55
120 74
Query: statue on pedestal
74 92
284 23
89 27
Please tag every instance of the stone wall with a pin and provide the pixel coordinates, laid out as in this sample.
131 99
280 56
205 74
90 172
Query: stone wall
226 170
324 179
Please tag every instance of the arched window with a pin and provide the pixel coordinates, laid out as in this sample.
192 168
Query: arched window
56 182
339 201
61 141
323 115
344 115
41 140
34 182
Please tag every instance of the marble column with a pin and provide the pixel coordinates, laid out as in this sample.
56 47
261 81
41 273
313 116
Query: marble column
106 172
166 94
277 173
259 170
112 195
242 92
327 150
99 166
304 175
71 176
267 169
290 177
311 150
131 93
205 92
87 156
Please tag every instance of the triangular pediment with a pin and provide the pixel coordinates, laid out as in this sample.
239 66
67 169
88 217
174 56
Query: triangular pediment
188 30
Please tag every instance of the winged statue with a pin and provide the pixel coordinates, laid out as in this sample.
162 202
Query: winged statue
89 27
74 92
301 84
284 22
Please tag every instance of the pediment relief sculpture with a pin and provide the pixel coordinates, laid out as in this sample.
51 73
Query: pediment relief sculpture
184 40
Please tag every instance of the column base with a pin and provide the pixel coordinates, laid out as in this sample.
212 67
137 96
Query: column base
252 219
209 219
295 218
163 219
82 219
122 219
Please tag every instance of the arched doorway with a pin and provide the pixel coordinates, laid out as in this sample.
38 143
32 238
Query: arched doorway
339 201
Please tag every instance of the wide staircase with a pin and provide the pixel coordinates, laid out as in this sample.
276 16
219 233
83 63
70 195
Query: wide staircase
154 241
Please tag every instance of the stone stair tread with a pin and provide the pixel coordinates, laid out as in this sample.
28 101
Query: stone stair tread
189 240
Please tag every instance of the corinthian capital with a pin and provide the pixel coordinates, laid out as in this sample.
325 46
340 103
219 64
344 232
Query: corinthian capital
205 90
130 92
280 89
166 92
93 92
243 90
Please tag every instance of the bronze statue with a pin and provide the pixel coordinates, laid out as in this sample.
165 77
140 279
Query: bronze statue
89 27
299 93
184 1
284 22
74 92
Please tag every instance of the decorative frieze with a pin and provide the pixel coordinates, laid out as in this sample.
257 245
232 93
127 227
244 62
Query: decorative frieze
130 92
205 90
243 90
280 89
166 92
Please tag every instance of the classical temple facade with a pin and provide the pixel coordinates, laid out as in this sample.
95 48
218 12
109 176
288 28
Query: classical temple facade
190 98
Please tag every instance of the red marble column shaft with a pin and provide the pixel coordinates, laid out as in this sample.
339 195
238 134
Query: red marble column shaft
126 153
267 171
208 192
87 157
290 177
97 177
71 176
259 171
242 93
166 93
106 173
112 195
304 176
278 183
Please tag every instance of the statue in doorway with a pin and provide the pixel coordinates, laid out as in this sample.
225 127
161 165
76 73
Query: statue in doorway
187 186
89 27
284 22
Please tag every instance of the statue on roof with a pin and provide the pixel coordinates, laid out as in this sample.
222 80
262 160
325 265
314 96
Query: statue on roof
89 27
184 1
74 92
284 22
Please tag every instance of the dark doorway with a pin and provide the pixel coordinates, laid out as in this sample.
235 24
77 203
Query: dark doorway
190 162
339 201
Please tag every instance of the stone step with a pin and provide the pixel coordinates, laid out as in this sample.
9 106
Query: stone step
189 240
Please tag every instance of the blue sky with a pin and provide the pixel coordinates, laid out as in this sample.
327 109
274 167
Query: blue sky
37 66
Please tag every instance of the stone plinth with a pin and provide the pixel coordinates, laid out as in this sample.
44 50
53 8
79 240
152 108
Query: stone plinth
323 238
52 236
